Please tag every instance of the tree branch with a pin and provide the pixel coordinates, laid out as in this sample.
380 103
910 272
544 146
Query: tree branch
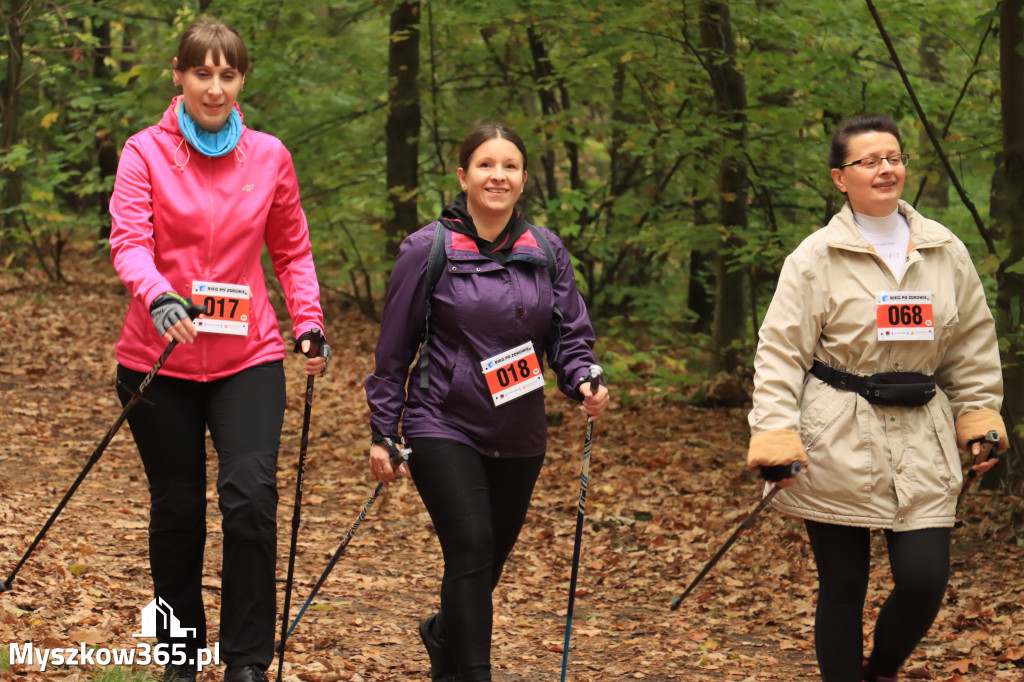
984 231
960 97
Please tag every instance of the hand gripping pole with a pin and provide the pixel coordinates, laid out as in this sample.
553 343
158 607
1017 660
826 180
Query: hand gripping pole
990 437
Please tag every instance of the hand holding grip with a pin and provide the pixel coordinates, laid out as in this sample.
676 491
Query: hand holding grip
781 471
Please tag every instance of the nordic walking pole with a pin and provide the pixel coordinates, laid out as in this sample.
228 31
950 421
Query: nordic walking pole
595 376
193 312
768 473
314 349
397 458
990 437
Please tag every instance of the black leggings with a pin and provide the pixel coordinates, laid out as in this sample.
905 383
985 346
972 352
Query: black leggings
919 560
478 505
244 413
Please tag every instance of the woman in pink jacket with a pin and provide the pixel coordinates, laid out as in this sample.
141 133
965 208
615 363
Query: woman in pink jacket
196 198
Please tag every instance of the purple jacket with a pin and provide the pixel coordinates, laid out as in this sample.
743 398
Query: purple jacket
479 309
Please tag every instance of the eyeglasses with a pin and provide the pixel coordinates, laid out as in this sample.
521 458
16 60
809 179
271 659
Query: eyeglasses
873 161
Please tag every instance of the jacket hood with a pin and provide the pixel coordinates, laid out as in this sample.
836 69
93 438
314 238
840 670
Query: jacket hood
455 216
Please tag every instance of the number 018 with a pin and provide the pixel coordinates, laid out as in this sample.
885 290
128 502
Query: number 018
512 373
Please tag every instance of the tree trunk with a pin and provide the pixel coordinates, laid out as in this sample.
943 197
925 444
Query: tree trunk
731 286
1008 209
9 122
699 297
403 124
554 97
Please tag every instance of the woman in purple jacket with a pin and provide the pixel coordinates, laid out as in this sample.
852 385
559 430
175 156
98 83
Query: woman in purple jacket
474 413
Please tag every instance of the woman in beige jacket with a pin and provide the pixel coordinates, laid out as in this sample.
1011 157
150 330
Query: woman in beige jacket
876 360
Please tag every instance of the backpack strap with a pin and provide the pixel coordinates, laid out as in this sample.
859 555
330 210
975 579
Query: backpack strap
435 268
436 260
545 245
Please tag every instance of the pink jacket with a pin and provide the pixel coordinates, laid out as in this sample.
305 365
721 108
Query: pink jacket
179 216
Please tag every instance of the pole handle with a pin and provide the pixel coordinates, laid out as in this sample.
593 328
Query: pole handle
315 338
781 472
990 437
399 456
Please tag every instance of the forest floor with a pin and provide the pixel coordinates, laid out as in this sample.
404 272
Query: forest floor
667 486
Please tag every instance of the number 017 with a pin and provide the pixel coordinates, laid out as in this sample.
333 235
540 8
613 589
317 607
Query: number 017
215 306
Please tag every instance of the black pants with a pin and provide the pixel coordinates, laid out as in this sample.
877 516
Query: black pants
244 413
919 560
478 505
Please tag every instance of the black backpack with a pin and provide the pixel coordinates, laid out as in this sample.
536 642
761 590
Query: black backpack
435 268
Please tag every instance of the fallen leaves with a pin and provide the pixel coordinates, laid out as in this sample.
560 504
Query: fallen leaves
668 485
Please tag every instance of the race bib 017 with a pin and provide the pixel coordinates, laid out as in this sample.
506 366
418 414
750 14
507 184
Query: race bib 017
225 307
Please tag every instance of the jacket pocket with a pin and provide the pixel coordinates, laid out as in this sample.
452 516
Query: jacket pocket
838 449
823 409
946 455
460 389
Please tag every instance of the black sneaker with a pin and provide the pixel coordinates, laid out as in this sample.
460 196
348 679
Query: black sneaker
245 673
442 664
179 673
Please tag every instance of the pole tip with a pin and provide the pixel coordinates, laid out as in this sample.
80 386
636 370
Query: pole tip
4 586
676 601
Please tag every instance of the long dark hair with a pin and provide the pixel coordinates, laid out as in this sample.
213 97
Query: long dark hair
855 125
216 37
488 131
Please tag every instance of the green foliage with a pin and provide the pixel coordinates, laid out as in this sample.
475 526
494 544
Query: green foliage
620 123
119 674
614 101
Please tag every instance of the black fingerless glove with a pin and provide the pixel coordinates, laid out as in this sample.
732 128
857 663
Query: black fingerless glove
167 310
318 347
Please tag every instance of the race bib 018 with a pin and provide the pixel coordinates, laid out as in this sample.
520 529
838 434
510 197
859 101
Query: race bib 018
512 374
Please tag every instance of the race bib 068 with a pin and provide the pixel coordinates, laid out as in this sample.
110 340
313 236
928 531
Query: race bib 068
904 316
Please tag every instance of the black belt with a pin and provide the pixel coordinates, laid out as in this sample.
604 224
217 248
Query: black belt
905 389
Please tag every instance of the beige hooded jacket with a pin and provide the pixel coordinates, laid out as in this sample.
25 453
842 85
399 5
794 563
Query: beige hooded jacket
868 465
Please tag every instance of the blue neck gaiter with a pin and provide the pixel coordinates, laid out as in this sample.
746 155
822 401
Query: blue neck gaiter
211 144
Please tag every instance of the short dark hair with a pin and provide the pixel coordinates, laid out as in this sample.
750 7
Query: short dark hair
211 35
855 125
488 131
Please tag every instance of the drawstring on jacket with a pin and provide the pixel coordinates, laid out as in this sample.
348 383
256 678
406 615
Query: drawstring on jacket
239 154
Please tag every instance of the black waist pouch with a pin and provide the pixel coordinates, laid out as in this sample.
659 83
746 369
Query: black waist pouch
906 389
901 389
